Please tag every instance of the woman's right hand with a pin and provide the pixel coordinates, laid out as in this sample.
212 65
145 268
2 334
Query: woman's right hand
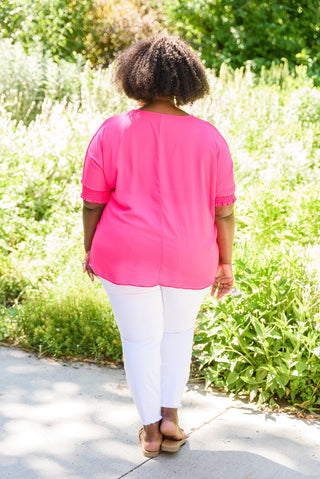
86 266
223 280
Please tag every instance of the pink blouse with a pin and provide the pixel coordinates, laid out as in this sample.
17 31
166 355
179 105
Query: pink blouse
161 177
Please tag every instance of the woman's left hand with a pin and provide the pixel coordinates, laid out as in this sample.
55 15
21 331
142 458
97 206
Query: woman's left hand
223 281
86 267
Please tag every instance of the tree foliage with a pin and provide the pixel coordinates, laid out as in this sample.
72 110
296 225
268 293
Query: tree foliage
98 29
224 31
235 31
59 26
116 24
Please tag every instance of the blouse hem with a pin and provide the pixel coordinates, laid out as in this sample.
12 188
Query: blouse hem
153 284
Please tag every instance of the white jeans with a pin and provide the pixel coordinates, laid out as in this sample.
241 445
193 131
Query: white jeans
156 325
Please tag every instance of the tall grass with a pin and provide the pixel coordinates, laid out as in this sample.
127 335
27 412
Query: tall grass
264 340
27 79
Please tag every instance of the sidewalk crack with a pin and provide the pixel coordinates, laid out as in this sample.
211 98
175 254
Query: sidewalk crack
134 468
194 429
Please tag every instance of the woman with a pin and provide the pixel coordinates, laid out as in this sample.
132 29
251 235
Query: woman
158 193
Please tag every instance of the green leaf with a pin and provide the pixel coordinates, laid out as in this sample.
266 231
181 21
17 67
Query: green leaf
253 394
232 378
301 366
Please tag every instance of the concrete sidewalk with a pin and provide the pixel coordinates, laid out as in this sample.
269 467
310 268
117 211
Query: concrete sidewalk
78 422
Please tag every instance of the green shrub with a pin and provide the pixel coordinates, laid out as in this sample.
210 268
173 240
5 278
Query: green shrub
58 26
73 322
13 285
118 24
71 30
262 32
264 342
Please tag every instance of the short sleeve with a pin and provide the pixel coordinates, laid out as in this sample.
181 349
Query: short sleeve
95 188
225 186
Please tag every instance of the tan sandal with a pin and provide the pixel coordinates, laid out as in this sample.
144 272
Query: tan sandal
170 444
145 452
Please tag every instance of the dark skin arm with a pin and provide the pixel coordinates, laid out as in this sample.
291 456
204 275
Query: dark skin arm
225 223
91 214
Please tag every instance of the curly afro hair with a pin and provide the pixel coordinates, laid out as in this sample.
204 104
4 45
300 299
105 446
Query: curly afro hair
161 66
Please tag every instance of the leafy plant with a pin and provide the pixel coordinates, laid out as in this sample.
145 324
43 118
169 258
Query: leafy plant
57 26
76 30
262 32
72 323
118 24
264 341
